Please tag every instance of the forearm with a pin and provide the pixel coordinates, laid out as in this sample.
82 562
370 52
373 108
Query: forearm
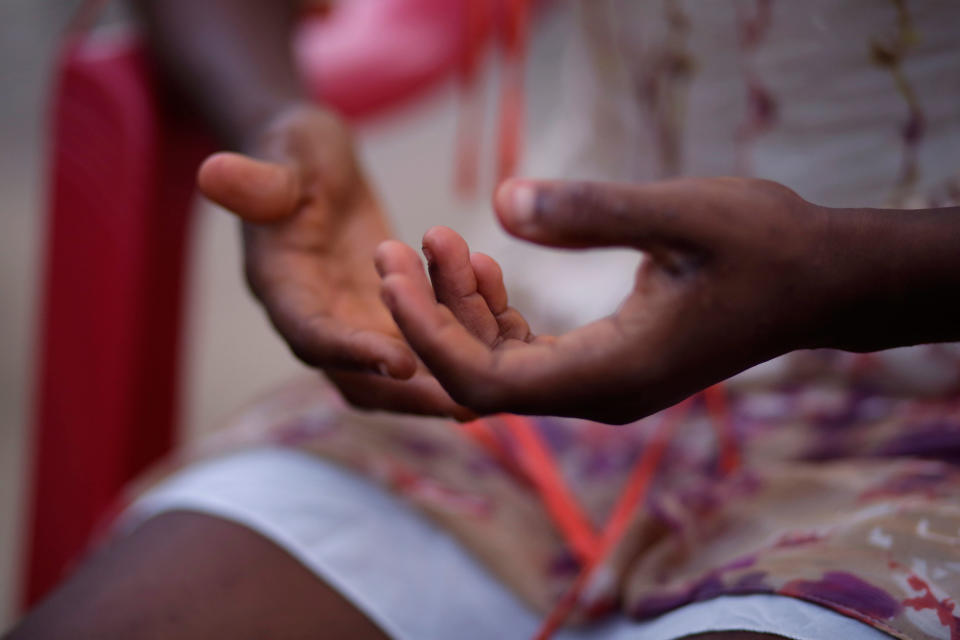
231 59
897 278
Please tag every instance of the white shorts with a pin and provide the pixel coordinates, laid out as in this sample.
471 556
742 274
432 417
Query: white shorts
411 577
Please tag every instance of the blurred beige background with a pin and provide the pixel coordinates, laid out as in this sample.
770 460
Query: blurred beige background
231 352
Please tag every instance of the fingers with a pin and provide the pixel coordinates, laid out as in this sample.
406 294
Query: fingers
571 375
456 285
469 286
393 257
254 190
420 395
490 285
489 281
465 366
655 217
579 374
430 328
403 278
326 343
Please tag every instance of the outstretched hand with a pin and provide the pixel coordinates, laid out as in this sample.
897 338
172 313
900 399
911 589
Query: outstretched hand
732 272
312 224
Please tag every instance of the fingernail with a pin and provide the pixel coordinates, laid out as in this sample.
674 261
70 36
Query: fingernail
427 254
522 200
383 369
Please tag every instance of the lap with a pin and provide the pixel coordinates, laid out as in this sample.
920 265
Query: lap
190 575
304 525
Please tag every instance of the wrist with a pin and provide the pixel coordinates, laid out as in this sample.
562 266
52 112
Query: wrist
250 127
893 278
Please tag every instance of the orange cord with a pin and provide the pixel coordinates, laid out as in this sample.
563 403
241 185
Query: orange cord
541 468
592 548
476 24
637 487
513 28
715 398
631 499
512 99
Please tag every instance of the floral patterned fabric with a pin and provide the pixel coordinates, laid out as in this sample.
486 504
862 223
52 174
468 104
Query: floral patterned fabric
848 497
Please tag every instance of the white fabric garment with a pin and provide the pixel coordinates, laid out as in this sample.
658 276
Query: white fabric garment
411 577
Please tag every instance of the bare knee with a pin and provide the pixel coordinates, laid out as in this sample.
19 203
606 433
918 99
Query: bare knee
187 575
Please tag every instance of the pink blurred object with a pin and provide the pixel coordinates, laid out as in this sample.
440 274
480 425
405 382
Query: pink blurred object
417 44
367 55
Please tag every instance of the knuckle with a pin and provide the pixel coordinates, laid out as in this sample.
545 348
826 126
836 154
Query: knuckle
764 187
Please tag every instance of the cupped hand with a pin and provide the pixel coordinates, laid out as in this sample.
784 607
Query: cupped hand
312 224
732 272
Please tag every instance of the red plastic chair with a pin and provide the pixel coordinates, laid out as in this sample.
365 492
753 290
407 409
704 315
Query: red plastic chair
122 166
122 177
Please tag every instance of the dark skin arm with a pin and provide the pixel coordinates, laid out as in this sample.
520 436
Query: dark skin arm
311 221
735 272
231 59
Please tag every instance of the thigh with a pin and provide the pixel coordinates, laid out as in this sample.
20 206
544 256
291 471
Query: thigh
187 575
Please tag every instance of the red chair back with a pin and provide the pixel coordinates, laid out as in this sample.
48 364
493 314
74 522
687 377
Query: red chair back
122 178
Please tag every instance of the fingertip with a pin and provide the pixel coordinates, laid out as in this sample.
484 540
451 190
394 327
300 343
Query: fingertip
440 241
448 256
385 256
254 190
401 365
427 244
515 203
435 232
489 277
213 173
395 257
483 263
211 168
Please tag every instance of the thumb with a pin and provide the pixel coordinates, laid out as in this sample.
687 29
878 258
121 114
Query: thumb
256 191
561 213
